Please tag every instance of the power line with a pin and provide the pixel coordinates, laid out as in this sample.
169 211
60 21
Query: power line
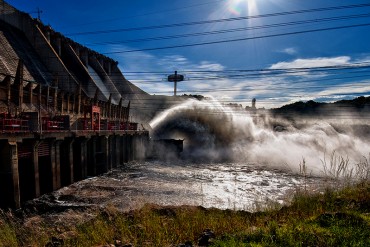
355 65
283 24
240 39
221 20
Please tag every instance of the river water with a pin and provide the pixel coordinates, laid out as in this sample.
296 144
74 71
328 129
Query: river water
239 186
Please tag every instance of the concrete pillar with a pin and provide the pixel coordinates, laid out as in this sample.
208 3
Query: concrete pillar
84 158
124 151
53 164
35 161
13 153
118 151
57 178
9 175
66 162
102 155
80 159
112 153
91 157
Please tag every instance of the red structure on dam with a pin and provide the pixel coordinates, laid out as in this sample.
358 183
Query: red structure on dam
64 111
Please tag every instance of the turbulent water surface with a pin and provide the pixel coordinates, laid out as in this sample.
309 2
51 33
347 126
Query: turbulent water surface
221 185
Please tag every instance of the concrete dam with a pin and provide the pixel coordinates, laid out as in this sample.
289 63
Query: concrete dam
66 112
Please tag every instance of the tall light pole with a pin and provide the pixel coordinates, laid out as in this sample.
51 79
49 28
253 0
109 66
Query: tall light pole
175 78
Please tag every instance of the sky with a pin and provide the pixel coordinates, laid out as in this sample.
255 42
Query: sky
277 51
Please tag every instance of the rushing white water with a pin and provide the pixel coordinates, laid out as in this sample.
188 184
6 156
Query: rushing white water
214 132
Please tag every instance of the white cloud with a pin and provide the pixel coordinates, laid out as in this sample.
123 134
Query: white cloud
312 62
289 51
345 89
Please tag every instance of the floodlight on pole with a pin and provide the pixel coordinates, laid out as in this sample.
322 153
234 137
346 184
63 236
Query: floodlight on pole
175 78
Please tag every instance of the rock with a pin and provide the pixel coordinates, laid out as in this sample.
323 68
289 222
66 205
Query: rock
205 238
55 242
186 244
118 243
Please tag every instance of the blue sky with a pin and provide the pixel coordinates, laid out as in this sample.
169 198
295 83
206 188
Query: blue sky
223 67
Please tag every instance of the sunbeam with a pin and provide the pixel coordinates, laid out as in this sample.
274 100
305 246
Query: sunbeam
240 7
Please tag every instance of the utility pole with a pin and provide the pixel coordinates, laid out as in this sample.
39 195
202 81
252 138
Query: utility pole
175 78
38 11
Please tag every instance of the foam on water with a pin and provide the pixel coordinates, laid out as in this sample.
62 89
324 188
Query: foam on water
214 132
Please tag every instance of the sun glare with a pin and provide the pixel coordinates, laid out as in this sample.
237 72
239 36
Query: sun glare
242 7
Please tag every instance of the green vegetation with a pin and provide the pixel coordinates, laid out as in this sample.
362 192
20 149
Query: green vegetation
333 218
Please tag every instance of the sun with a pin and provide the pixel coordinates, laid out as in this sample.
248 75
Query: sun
242 7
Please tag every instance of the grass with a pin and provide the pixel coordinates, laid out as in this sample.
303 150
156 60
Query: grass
333 218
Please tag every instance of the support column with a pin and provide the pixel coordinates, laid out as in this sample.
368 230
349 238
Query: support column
9 175
35 159
91 157
130 150
66 162
124 152
57 184
118 151
13 152
102 155
53 164
112 152
80 159
84 158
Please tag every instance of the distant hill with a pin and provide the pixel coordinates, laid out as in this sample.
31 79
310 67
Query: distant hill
357 105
